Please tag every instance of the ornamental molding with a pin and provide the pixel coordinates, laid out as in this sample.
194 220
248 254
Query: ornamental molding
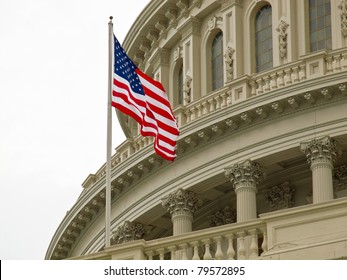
181 202
324 149
343 15
212 23
187 88
127 232
280 196
282 37
340 178
229 62
192 26
247 172
223 217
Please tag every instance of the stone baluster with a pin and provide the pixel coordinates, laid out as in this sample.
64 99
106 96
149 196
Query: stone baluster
195 245
329 61
302 72
219 253
182 254
321 153
230 251
337 59
212 103
264 243
161 252
273 82
242 248
295 74
207 244
253 86
173 250
260 85
254 245
288 77
281 79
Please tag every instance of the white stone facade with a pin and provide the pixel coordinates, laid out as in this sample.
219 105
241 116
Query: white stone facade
246 145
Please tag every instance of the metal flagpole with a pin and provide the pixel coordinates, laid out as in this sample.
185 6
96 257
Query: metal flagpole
109 137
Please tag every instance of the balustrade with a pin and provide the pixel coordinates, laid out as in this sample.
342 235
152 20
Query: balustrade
256 84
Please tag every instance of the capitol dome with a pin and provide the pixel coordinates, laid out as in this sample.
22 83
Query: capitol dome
259 91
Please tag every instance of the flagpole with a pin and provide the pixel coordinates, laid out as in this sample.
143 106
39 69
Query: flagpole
109 137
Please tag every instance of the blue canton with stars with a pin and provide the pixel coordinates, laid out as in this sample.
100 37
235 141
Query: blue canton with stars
125 68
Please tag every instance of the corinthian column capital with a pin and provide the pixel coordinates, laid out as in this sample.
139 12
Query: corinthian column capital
245 172
320 150
181 202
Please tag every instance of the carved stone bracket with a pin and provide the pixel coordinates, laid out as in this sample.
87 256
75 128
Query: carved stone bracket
129 231
280 197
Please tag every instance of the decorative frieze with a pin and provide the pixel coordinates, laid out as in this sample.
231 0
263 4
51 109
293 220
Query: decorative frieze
280 197
223 217
129 231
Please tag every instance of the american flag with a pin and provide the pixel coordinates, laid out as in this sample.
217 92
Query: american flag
144 99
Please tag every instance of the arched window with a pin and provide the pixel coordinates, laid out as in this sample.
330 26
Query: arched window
180 85
320 25
217 61
263 39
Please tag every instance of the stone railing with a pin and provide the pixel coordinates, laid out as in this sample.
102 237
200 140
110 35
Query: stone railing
232 241
309 67
314 231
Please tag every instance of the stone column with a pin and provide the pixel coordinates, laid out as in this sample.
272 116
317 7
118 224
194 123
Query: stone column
182 205
245 177
321 153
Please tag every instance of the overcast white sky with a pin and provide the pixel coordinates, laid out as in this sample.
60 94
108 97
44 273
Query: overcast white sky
53 89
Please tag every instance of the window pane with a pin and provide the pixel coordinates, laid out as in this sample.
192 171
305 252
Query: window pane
180 86
263 38
320 24
217 61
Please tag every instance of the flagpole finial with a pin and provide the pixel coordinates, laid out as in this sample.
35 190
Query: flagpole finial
111 18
